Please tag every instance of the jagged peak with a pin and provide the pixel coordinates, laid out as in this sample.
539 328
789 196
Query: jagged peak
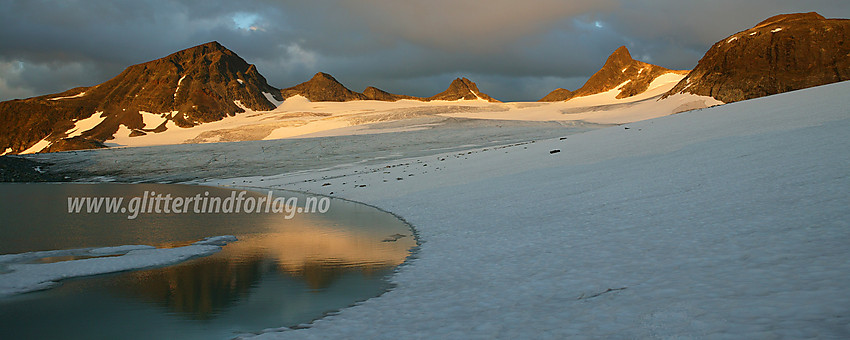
621 56
462 83
462 88
620 67
621 52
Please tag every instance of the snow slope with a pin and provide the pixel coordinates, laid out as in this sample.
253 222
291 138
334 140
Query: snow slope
728 222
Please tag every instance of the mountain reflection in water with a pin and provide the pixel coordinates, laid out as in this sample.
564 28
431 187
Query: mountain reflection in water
317 256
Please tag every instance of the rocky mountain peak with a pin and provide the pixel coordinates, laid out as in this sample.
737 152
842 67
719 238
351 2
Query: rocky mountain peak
621 72
557 95
202 83
374 93
462 89
199 84
324 77
324 88
782 53
620 56
202 49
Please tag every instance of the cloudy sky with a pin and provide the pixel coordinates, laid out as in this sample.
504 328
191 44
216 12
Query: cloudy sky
514 50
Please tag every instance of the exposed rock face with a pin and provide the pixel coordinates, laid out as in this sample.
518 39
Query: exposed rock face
195 85
783 53
373 93
462 89
323 88
620 68
74 143
558 95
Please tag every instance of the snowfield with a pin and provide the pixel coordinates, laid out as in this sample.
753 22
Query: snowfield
19 275
728 222
298 117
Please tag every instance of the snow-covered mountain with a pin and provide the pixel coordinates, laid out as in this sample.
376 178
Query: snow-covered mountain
195 95
201 84
623 77
783 53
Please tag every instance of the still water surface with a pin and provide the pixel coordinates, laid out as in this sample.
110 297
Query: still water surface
281 272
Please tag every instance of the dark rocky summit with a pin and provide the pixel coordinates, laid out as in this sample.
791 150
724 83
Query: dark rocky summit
558 95
783 53
373 93
322 88
195 85
462 89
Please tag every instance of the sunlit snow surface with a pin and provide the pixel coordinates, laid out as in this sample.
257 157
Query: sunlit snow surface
38 146
299 117
152 120
18 273
728 222
80 126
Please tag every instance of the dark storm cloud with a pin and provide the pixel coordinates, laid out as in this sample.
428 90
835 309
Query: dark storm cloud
97 38
515 50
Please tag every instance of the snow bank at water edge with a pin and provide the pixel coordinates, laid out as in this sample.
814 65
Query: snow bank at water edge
19 275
